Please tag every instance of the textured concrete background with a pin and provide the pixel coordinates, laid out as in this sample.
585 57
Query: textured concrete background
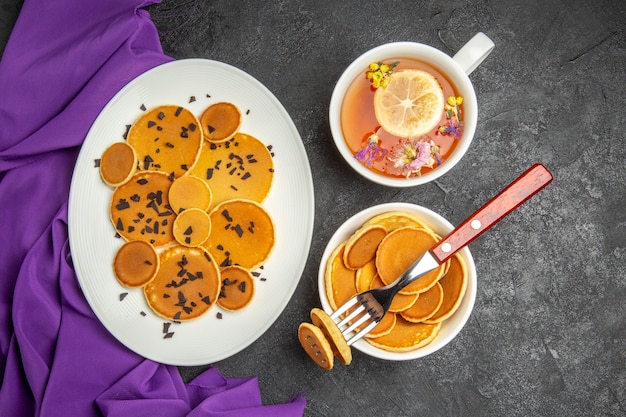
548 333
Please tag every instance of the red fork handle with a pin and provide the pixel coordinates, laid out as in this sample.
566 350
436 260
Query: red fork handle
520 190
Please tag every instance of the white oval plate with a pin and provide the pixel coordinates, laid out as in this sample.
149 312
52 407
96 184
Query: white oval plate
450 327
290 202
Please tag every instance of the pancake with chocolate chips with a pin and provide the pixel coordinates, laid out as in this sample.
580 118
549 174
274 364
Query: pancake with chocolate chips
168 139
140 209
237 288
186 286
220 121
241 167
136 263
192 227
242 233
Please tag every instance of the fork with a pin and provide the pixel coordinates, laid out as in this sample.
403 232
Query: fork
372 305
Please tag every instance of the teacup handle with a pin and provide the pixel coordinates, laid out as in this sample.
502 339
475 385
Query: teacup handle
474 52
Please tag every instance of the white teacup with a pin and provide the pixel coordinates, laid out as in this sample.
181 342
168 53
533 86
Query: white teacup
456 69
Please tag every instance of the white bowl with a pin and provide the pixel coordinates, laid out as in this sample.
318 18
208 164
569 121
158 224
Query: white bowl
455 68
451 326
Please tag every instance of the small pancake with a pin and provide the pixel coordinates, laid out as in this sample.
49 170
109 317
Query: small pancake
118 163
338 343
136 263
339 280
220 121
399 250
192 227
189 191
453 285
140 209
186 286
401 301
237 288
362 245
427 305
315 345
167 139
242 233
365 275
241 167
393 220
384 326
406 336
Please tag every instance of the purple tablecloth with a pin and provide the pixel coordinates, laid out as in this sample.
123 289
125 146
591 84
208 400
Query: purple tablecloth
64 60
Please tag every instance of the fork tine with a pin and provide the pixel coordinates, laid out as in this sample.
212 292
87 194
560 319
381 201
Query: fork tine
344 308
352 315
365 317
362 333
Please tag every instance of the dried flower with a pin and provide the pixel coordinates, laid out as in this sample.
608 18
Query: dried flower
453 114
372 151
379 73
411 155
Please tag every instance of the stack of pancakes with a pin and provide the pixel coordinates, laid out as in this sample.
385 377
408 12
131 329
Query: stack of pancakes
187 196
374 256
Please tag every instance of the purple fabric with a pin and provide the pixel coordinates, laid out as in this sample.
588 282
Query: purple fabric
63 62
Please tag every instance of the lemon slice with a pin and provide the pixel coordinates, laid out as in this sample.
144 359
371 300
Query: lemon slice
411 105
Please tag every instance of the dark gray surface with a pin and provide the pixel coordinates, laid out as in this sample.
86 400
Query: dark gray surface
548 333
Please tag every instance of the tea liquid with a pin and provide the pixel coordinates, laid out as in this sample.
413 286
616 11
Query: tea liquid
358 120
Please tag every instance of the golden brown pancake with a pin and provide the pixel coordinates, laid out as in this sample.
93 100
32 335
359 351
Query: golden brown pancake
140 209
190 191
426 305
118 163
192 227
362 245
136 263
241 167
399 250
315 345
406 336
186 286
220 121
242 233
338 343
401 301
339 280
393 220
453 285
365 275
167 139
237 288
384 326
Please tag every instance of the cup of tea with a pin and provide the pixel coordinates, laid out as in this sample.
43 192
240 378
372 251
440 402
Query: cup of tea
404 113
